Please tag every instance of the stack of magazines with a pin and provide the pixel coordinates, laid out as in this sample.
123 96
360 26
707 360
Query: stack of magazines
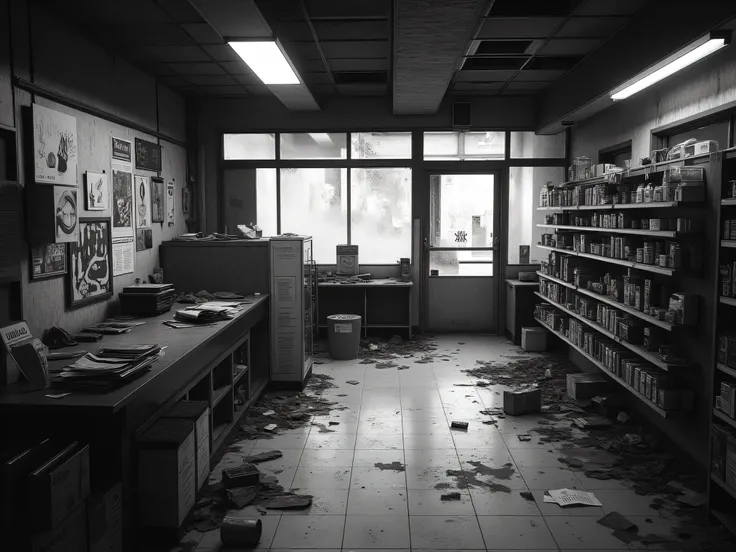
212 311
109 368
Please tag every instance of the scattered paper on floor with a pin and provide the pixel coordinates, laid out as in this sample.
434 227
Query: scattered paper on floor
572 497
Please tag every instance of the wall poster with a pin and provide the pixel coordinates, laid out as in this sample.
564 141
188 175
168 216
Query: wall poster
122 200
185 201
121 150
66 226
96 192
158 199
90 263
54 147
147 155
170 198
123 255
143 239
142 193
48 260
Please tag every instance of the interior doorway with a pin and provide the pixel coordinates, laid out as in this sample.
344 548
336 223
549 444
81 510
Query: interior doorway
461 247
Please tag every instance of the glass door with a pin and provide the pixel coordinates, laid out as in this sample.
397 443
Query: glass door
461 248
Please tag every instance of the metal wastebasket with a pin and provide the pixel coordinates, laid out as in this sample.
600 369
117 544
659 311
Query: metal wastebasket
343 336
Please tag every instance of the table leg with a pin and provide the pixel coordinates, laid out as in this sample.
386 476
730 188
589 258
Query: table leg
409 313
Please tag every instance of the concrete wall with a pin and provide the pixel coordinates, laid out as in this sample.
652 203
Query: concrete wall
51 53
707 84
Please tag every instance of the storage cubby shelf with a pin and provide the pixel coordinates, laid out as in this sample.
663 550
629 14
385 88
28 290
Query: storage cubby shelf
620 262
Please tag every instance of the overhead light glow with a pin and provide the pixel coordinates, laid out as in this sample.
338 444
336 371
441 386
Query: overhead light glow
684 60
266 60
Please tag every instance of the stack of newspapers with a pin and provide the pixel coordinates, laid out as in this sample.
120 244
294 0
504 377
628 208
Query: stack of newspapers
109 368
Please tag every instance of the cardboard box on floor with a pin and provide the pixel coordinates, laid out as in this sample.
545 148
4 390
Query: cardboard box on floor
583 387
105 520
524 401
199 413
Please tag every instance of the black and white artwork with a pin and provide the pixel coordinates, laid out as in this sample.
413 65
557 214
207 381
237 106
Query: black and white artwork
90 263
142 193
158 200
96 192
143 239
48 260
170 201
54 147
66 221
122 202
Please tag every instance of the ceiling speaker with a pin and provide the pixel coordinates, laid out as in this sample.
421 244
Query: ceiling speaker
461 114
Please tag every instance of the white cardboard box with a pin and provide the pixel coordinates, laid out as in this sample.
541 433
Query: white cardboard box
105 520
199 413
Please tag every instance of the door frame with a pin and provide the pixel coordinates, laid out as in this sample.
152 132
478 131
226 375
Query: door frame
499 170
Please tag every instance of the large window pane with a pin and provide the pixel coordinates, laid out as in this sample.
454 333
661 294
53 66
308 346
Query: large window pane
461 210
381 145
314 145
266 205
381 214
527 145
249 146
464 146
314 202
525 185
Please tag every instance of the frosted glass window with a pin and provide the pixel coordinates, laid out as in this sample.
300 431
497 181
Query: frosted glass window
525 185
464 146
380 145
459 263
380 214
314 202
461 210
266 203
314 145
527 145
249 146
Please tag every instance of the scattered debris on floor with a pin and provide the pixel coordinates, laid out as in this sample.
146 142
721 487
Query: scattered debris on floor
394 466
289 502
353 382
571 497
459 425
323 428
450 496
524 437
526 495
263 457
270 427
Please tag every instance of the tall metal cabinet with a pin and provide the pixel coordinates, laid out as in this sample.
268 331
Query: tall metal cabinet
293 300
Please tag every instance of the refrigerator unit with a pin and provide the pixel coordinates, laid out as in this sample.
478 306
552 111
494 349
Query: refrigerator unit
293 304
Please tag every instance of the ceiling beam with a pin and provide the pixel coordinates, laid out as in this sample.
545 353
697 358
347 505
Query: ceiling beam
430 40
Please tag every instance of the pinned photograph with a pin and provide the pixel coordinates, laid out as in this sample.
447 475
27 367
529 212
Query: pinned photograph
142 192
54 147
90 264
170 199
122 202
96 192
66 215
158 199
143 239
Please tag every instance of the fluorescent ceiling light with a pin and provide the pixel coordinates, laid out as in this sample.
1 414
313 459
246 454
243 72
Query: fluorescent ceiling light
681 60
266 60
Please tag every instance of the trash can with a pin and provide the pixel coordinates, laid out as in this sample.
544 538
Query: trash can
343 336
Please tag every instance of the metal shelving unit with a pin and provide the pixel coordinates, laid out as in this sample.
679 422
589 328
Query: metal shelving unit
633 231
609 260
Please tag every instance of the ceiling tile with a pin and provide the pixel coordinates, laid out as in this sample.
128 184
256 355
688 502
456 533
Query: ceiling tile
510 92
347 30
178 53
146 35
531 8
521 27
358 64
529 85
539 75
222 52
248 80
202 33
355 49
308 65
483 76
607 7
291 31
581 27
175 81
569 47
477 86
180 11
343 9
236 67
362 89
197 68
95 12
322 89
316 78
261 90
504 47
212 80
495 63
223 90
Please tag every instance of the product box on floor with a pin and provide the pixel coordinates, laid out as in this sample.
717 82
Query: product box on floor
199 413
583 387
105 520
525 401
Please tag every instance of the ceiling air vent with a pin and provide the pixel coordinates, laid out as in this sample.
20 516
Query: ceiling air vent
493 64
360 77
490 47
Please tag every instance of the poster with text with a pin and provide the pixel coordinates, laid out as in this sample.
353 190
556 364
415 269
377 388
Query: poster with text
123 255
158 199
121 150
54 147
122 200
142 192
170 198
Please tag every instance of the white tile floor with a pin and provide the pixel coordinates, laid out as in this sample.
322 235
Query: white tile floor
404 416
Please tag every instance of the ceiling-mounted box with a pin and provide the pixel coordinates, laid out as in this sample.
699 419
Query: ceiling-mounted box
461 114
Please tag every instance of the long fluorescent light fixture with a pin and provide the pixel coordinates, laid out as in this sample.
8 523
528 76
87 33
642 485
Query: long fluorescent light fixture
694 52
266 60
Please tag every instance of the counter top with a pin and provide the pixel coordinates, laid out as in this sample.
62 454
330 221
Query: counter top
519 283
178 342
378 282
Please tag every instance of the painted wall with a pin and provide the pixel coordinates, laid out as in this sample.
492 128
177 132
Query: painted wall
55 56
706 85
